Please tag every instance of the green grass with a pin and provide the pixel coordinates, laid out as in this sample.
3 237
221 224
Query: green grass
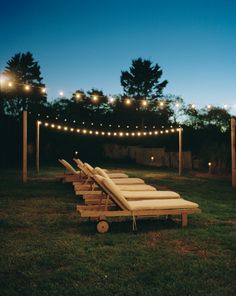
47 250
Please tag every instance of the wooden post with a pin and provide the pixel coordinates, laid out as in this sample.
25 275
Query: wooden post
233 152
180 150
37 145
24 146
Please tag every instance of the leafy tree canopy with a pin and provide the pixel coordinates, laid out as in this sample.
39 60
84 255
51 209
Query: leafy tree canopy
142 81
22 70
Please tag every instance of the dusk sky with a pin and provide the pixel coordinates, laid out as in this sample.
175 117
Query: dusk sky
85 44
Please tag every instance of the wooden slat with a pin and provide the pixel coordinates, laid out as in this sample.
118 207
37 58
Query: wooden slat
88 193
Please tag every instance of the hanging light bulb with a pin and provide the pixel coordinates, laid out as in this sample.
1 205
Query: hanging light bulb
127 101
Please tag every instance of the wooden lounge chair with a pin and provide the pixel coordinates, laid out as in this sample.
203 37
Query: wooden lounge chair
133 209
70 174
80 165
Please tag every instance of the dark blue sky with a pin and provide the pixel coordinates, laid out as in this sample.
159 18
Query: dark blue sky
85 44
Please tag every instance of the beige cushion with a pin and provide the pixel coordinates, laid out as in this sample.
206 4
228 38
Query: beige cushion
117 175
128 181
116 193
129 195
162 204
101 172
89 167
137 187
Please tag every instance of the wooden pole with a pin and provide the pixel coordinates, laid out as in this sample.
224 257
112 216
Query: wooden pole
233 158
180 150
37 145
24 146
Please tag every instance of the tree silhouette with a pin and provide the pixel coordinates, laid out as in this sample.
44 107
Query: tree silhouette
22 70
142 80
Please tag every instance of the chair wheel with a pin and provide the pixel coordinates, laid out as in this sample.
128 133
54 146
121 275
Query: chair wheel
102 226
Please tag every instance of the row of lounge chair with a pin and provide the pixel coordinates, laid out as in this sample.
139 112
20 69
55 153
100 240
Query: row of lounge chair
113 194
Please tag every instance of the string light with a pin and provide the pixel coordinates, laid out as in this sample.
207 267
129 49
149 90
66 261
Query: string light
104 133
95 98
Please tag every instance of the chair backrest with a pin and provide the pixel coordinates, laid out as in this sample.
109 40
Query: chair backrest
78 162
116 194
101 172
89 168
68 166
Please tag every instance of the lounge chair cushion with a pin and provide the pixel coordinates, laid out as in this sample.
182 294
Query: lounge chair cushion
136 187
137 195
162 204
128 181
116 194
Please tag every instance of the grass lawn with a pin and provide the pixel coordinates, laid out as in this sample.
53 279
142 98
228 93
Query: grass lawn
47 250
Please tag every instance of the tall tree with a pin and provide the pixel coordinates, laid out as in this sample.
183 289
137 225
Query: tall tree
142 80
26 90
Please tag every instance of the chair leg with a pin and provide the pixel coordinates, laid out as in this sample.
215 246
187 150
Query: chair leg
184 219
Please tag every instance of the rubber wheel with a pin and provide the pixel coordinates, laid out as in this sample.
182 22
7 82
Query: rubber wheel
102 226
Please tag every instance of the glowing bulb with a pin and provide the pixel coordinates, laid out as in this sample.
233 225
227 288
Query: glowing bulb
144 134
78 130
209 164
121 134
156 132
27 87
161 132
150 133
59 127
10 84
133 134
78 96
152 158
97 133
71 129
127 101
161 104
139 134
43 90
103 133
52 125
39 122
65 128
95 98
85 131
111 100
144 103
90 132
108 133
127 134
46 124
167 131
